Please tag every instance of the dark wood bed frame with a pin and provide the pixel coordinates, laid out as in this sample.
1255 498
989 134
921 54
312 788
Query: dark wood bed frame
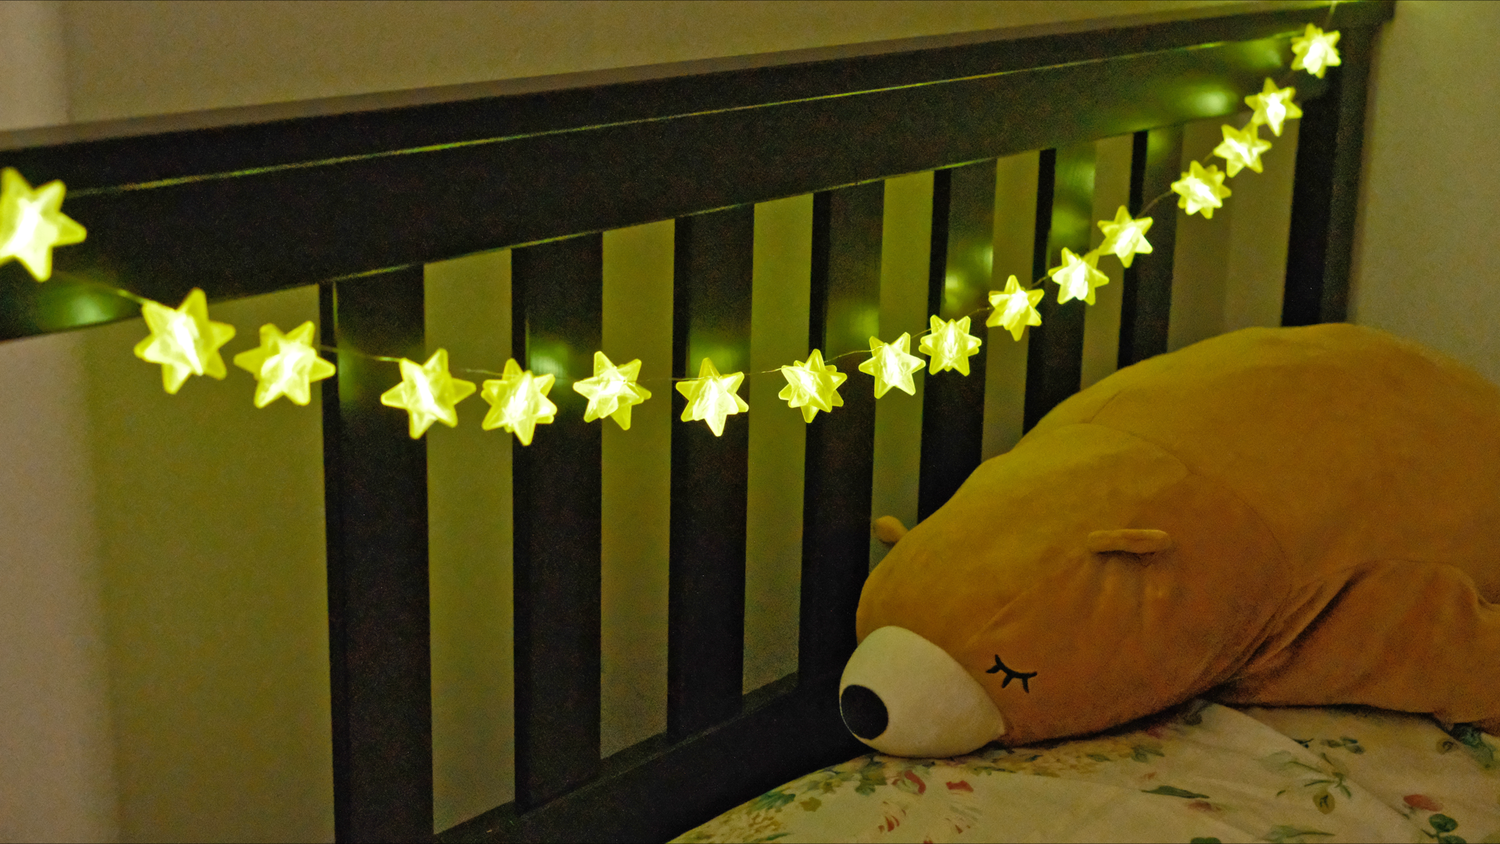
356 194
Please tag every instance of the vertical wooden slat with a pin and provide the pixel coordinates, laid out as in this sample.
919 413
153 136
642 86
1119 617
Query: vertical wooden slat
1326 190
375 479
557 318
712 267
1155 163
963 241
841 444
1064 201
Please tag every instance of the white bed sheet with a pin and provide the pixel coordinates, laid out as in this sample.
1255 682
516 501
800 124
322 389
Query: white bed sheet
1201 772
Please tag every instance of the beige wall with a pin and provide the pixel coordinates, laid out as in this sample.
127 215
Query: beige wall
160 593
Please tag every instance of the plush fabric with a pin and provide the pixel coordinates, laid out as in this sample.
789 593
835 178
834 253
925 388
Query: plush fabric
1273 516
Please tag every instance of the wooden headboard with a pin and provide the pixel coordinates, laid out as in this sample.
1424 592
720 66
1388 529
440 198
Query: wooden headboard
356 195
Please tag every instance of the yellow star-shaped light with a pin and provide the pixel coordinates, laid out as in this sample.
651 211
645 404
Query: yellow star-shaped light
183 340
1014 308
892 365
1124 237
812 386
518 401
950 345
428 393
1273 106
1201 189
285 365
31 223
1315 51
1078 277
1241 148
612 390
712 397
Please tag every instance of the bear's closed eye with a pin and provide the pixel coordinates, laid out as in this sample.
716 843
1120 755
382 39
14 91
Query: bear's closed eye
1023 676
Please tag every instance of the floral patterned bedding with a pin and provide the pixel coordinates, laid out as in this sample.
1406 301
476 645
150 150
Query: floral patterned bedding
1202 772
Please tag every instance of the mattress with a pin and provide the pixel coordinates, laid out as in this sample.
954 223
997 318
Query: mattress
1200 772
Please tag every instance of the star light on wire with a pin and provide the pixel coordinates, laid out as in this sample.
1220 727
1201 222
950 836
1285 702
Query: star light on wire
1078 277
428 393
812 386
284 365
1201 189
1124 237
1315 51
892 365
1273 106
612 391
518 401
183 340
1241 148
950 345
1014 308
32 223
712 397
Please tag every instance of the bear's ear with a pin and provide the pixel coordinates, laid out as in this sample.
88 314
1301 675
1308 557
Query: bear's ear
889 530
1129 541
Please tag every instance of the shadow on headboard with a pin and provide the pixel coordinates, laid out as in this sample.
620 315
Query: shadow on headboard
355 195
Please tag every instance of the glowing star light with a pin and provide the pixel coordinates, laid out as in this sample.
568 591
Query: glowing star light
892 365
31 224
1201 190
1125 238
1273 106
1315 51
812 386
712 397
285 365
428 393
518 401
612 390
1078 277
950 345
1241 148
184 341
1014 308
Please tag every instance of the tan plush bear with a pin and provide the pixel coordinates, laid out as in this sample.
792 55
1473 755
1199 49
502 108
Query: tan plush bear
1273 516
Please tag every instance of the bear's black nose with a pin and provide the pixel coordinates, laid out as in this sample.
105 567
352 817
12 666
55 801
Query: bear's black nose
864 712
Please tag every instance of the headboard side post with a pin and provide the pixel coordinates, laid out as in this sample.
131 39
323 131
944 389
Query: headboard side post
1325 192
375 481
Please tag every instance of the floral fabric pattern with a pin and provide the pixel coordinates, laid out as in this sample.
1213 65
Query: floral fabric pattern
1201 772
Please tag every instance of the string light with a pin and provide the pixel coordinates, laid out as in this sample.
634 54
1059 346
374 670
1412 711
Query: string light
612 391
1014 308
428 393
518 401
1124 237
1078 277
32 223
1314 51
183 340
712 397
284 365
1202 190
1273 106
950 345
1241 148
892 365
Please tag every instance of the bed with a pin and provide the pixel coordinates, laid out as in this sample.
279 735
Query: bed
355 196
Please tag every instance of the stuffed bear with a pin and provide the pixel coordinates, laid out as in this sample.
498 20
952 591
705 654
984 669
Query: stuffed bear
1283 516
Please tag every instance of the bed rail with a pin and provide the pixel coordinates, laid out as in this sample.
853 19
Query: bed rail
356 194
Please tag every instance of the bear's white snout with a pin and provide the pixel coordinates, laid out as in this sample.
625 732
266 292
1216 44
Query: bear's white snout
905 696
